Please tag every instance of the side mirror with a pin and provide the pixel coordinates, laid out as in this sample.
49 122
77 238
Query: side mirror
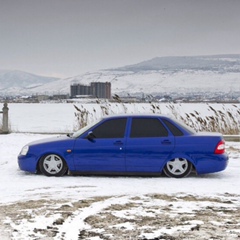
91 136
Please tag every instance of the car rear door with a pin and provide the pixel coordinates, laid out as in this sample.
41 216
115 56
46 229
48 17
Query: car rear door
148 145
105 151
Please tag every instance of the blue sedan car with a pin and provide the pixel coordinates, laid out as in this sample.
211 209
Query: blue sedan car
129 145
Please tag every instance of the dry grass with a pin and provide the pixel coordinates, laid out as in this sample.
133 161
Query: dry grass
225 121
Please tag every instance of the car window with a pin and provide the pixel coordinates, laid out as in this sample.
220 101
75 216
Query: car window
174 130
183 127
113 128
147 127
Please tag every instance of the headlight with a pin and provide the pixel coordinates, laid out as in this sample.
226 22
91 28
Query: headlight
24 150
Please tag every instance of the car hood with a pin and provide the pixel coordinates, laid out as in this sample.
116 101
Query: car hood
50 140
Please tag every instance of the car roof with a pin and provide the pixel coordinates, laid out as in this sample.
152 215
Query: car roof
135 115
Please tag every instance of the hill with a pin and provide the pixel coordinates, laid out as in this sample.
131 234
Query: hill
18 82
161 75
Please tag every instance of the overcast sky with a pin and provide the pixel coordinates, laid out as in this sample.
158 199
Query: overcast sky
65 38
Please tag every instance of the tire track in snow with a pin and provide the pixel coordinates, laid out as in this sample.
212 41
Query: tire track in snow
74 224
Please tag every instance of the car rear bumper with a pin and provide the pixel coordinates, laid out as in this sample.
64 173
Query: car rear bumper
211 163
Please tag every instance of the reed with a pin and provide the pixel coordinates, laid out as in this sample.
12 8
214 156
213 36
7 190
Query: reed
225 121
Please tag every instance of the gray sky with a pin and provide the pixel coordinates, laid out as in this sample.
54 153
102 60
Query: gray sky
64 38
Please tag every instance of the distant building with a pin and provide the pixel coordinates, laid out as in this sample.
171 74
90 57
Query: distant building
42 97
101 90
60 96
78 89
96 90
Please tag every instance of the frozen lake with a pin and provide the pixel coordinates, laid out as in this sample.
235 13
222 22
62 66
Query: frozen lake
60 117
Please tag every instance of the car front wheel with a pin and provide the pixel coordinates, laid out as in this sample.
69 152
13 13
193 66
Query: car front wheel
178 168
53 165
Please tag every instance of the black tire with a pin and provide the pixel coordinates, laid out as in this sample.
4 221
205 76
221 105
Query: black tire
53 165
178 168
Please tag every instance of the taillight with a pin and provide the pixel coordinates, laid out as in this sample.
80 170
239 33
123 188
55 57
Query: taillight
220 149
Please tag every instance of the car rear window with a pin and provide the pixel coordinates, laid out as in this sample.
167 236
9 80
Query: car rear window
147 127
174 130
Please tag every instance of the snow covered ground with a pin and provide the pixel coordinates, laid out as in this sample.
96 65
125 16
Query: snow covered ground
78 207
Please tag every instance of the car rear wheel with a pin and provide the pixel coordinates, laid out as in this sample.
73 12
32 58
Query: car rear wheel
178 168
53 165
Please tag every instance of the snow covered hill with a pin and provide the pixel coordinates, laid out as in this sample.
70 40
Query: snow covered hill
15 82
216 63
219 73
195 74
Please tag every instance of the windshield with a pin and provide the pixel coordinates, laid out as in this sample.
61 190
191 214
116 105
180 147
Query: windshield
84 129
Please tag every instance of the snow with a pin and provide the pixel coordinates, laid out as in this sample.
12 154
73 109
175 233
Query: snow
23 186
152 82
18 187
60 118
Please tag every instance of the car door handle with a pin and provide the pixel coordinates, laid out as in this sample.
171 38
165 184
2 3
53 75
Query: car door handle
166 142
119 143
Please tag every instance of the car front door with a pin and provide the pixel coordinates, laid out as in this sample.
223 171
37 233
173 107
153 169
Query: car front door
148 145
104 151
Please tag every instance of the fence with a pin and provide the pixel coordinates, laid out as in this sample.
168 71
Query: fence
4 128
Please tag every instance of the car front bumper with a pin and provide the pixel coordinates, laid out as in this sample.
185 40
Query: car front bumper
27 163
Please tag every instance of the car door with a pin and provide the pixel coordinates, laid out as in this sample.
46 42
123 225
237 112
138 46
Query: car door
104 150
148 145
